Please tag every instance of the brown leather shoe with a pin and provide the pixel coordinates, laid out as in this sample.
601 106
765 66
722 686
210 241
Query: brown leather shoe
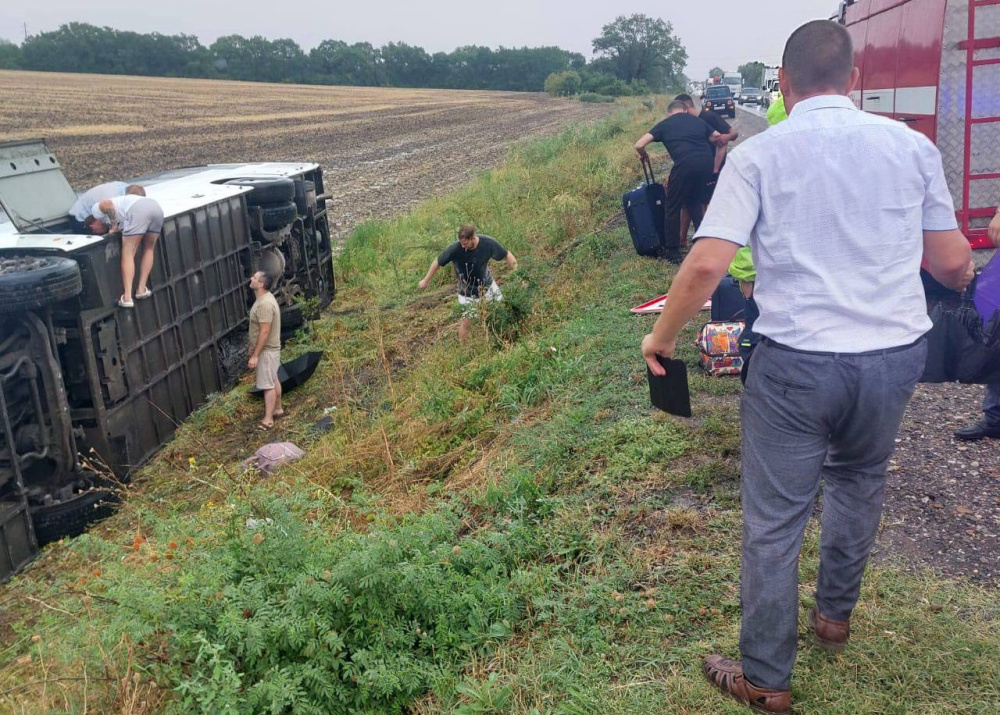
727 676
830 634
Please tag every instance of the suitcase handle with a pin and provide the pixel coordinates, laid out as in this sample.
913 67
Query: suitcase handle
647 169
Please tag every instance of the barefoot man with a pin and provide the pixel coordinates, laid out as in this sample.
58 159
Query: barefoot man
265 346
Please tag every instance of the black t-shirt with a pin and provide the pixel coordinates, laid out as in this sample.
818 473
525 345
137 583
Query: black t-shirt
472 267
685 137
715 120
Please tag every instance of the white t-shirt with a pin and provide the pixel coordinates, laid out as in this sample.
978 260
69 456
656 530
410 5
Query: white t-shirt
121 203
85 203
833 203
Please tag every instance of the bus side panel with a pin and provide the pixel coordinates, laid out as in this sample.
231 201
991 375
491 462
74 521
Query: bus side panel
160 361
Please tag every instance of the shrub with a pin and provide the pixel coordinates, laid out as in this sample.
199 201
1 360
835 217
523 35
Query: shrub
607 84
595 98
616 88
563 84
640 88
506 318
286 618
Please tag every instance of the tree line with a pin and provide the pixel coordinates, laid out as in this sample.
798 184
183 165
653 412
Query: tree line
81 47
634 54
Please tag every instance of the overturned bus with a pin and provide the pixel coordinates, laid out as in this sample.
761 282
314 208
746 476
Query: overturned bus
84 382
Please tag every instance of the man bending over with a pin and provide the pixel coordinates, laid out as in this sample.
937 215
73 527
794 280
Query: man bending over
140 220
471 255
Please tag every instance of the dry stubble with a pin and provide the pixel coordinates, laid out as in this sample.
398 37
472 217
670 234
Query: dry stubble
383 150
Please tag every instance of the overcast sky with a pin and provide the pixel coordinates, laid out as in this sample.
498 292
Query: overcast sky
726 33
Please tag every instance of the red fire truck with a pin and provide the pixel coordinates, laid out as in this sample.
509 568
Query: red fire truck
935 64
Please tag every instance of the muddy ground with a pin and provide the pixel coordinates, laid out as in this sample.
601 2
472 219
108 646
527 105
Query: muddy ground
383 150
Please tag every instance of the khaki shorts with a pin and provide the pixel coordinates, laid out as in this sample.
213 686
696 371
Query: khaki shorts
470 306
267 369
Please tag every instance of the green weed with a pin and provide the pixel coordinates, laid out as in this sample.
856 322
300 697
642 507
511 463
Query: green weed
503 526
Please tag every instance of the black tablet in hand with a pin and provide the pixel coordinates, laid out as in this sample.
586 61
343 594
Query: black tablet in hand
670 393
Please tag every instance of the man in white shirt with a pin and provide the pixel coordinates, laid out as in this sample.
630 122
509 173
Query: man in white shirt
80 211
141 220
837 207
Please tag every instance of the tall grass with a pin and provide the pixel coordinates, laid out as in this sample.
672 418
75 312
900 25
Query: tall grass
497 527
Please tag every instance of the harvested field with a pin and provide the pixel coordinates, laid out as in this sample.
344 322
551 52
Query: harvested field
383 150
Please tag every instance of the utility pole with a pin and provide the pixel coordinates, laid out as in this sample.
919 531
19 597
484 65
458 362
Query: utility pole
25 30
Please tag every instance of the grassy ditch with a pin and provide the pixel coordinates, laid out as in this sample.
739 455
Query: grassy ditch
502 527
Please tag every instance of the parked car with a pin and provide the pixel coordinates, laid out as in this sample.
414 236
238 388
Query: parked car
751 95
88 390
718 98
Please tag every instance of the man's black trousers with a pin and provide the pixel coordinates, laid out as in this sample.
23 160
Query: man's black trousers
685 189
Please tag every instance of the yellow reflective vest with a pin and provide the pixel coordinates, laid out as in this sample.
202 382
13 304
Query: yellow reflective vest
776 112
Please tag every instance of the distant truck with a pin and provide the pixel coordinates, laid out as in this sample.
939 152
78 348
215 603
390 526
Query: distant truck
933 64
733 80
88 390
769 86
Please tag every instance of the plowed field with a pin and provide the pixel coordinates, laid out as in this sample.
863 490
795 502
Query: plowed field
382 149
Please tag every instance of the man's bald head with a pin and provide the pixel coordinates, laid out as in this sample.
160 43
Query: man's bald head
819 57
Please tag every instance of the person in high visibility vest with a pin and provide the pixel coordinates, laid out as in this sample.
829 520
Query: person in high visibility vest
776 112
742 268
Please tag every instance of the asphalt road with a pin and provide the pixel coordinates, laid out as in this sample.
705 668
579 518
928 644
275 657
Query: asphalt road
750 121
752 109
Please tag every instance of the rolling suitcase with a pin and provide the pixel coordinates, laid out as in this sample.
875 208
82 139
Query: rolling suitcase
728 302
645 213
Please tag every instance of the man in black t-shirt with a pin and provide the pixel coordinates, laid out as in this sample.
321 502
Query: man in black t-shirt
689 141
726 132
721 147
471 255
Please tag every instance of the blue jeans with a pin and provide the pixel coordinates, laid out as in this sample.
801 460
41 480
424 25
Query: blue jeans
991 405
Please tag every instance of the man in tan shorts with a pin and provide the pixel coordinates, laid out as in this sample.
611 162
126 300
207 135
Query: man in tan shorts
265 346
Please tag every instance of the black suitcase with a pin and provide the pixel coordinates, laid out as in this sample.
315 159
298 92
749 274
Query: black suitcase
728 302
645 213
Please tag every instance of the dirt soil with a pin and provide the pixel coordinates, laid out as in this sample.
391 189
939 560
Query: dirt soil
382 150
943 498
